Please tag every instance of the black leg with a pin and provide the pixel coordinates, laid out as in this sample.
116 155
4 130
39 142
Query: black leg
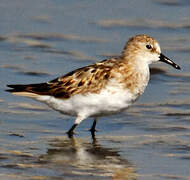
71 130
93 128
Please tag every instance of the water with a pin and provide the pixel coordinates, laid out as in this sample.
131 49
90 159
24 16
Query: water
40 40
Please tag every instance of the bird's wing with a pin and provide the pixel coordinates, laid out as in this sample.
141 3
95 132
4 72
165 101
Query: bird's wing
87 79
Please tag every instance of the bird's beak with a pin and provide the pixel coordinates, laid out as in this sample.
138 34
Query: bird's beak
168 61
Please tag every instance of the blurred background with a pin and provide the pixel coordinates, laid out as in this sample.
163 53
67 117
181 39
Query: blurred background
43 39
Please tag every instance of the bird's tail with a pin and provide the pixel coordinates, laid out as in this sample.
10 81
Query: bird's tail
16 88
28 89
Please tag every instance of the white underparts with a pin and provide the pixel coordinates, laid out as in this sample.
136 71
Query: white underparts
112 99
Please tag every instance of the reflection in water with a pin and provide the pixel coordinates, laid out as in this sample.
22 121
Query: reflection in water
76 157
65 159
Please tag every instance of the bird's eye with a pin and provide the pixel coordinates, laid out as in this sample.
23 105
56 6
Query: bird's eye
148 46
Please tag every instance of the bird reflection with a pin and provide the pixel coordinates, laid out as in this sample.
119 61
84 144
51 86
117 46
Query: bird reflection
76 157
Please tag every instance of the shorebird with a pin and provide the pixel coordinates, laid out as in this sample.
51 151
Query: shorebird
104 88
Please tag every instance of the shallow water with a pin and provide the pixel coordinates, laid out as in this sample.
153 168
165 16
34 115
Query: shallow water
40 40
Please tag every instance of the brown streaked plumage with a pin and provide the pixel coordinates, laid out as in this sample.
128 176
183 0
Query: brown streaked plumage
103 88
89 79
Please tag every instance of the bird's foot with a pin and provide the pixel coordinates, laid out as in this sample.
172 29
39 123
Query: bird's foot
70 134
94 130
93 134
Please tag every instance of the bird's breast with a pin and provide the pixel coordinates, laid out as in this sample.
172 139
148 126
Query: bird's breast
134 80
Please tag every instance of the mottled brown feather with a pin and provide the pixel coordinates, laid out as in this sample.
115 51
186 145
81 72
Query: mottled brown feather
89 79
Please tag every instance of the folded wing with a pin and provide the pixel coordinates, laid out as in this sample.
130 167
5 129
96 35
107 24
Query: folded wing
89 79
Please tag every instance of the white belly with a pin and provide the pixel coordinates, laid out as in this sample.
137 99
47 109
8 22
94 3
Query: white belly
110 100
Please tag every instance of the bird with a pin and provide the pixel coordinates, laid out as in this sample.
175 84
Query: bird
104 88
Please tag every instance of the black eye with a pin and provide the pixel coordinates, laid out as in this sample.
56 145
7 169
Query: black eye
148 46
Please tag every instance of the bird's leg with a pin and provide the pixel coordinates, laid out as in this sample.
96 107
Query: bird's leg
77 121
71 130
93 128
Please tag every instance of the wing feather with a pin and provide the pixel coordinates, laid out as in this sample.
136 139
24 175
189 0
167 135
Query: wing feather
90 78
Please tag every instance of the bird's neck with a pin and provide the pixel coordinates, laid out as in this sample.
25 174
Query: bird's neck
135 75
136 62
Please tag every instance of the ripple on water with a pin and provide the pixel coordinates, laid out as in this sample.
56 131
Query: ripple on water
44 43
172 2
61 37
22 70
169 2
70 158
143 23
